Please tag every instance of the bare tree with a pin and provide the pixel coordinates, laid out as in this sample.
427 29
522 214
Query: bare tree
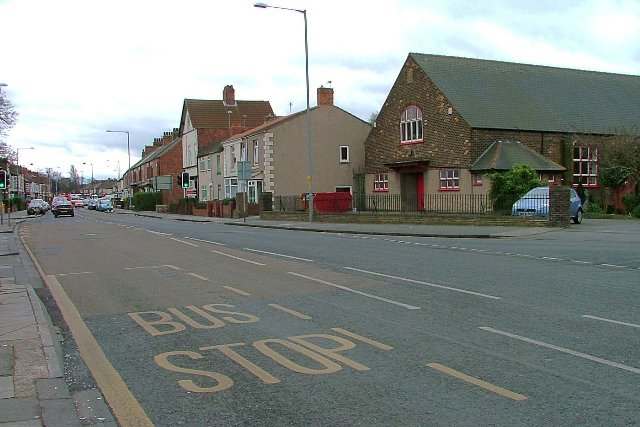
74 178
621 160
8 115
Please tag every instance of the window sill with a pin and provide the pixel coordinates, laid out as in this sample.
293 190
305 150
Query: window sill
449 189
380 191
417 141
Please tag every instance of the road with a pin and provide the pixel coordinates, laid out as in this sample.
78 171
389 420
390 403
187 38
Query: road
209 324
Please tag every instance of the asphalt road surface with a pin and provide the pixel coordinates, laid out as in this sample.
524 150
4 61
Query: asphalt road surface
214 325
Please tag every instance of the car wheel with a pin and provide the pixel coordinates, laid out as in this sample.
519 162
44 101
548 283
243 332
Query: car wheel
578 218
73 214
55 215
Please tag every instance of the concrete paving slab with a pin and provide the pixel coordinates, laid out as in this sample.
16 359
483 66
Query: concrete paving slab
6 359
59 413
19 409
52 388
6 387
92 408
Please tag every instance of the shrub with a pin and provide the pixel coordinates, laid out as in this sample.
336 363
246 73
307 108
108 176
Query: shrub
507 187
631 202
146 201
594 209
636 211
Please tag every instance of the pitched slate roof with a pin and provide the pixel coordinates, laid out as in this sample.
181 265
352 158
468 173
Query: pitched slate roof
505 95
504 155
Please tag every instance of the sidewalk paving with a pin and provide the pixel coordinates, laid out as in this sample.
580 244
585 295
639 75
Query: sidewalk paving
33 391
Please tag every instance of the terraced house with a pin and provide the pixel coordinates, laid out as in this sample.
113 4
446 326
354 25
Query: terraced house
448 121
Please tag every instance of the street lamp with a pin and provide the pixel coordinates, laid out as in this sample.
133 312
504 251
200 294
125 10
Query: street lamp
306 58
128 154
91 186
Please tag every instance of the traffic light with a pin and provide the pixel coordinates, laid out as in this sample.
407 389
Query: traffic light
3 179
184 179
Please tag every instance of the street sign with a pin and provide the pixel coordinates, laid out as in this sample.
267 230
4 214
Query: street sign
244 171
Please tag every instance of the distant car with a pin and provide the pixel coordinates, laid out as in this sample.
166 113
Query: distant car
61 206
77 201
37 207
536 203
92 204
104 205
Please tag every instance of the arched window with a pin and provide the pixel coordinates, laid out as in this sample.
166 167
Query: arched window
411 125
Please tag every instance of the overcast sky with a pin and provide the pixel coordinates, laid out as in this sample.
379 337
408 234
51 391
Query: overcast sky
75 68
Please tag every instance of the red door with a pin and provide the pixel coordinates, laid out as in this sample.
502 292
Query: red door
420 188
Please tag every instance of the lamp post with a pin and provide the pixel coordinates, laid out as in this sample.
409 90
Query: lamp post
306 58
129 155
18 165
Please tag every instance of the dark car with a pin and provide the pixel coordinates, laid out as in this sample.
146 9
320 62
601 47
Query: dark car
61 206
37 207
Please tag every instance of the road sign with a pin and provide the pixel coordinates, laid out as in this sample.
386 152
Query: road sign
244 171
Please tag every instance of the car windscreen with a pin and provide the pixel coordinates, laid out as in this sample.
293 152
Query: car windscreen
538 192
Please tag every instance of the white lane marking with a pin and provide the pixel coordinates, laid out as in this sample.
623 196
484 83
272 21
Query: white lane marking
588 316
236 290
75 274
563 350
420 282
290 311
238 258
355 291
197 276
277 254
172 267
186 243
614 265
153 266
158 233
206 241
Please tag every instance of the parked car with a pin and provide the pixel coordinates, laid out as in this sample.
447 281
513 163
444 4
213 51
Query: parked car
61 206
536 203
92 204
104 205
37 207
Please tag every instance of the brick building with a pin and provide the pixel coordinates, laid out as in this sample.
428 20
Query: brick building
443 113
163 158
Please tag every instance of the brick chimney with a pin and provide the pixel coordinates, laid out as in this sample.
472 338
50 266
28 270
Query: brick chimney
229 96
325 96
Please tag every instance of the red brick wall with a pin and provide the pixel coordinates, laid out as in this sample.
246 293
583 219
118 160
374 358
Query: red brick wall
447 137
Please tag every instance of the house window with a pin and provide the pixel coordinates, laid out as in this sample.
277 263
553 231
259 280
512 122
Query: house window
550 177
232 157
449 179
243 152
344 154
256 153
208 163
202 168
230 187
381 182
342 189
254 189
585 165
203 193
477 179
411 126
218 169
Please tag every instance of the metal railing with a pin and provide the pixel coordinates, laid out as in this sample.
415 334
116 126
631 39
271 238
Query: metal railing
446 203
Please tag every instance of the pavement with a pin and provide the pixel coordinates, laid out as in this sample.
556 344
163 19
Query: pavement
33 391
